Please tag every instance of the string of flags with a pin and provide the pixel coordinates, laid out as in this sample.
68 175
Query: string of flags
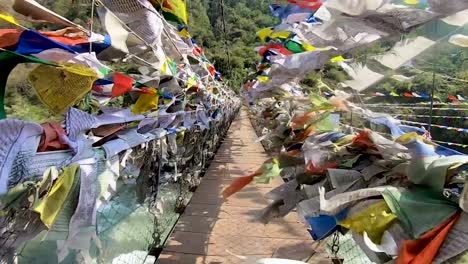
450 98
464 130
116 137
452 144
418 107
409 104
342 182
436 141
435 116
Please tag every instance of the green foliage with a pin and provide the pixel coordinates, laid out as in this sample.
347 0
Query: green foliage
232 50
448 62
311 80
364 54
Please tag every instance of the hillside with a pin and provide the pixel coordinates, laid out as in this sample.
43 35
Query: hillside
232 51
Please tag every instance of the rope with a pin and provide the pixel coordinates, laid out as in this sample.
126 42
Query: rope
93 3
431 111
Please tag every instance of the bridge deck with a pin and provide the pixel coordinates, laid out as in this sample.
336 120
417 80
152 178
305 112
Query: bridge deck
211 227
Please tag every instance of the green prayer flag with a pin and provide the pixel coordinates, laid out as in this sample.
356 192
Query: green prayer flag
271 170
294 46
419 209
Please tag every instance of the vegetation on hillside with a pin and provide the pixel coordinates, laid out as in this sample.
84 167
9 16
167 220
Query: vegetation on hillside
230 45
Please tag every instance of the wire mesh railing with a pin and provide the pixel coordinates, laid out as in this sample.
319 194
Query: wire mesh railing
154 183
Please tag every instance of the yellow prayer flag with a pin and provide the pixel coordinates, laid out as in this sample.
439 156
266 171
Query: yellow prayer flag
374 220
10 19
280 35
164 68
174 10
405 138
263 79
61 87
308 47
147 101
184 33
51 205
337 59
411 2
180 137
394 94
263 34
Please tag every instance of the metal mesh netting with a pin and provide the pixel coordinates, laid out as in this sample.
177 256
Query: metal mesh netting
153 188
348 251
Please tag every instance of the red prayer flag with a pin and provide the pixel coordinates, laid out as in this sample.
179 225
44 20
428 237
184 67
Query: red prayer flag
197 51
319 170
363 140
308 4
212 70
280 48
122 84
453 98
407 95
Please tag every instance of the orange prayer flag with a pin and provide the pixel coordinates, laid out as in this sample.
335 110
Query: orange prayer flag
426 248
239 183
319 170
301 137
300 121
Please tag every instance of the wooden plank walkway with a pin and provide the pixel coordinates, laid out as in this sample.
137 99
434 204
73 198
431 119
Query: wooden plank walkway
211 226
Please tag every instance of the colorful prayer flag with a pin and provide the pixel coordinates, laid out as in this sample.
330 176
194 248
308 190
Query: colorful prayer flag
173 10
10 19
308 4
147 101
263 34
122 84
61 87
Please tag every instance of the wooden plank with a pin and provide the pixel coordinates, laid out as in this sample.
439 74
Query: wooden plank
211 228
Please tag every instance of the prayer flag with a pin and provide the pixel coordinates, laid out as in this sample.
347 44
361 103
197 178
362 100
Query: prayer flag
122 84
173 10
